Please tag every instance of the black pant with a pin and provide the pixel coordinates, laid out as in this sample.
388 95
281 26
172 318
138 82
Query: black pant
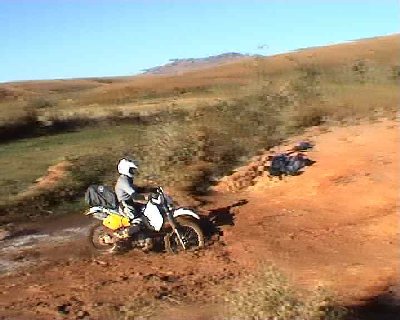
136 206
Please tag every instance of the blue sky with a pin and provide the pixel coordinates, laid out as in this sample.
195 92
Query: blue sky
70 38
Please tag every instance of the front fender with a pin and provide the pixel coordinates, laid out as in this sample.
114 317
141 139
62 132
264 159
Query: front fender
185 212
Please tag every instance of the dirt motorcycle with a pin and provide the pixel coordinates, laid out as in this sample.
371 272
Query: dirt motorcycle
177 227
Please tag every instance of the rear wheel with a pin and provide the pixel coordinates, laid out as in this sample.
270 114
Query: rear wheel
102 240
191 235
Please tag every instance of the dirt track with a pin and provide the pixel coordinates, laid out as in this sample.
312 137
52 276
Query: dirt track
334 225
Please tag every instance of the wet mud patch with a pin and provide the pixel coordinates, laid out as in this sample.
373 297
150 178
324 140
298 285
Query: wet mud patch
28 247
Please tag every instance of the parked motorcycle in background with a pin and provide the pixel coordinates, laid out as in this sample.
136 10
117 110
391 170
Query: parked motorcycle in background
178 227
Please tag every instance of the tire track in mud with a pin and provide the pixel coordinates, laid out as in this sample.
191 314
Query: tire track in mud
61 275
94 285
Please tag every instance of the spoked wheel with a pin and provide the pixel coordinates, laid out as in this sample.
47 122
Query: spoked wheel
191 234
101 240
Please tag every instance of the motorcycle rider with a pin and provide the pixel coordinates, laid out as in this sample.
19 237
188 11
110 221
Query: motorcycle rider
129 195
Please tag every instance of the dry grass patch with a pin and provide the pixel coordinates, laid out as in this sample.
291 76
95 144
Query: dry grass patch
268 295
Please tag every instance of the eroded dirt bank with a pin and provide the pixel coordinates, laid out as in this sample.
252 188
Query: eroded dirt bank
334 225
337 224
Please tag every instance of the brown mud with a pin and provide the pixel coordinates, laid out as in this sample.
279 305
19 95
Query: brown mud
334 225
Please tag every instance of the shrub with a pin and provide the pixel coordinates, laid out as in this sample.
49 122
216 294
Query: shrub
307 116
40 103
360 68
307 85
396 72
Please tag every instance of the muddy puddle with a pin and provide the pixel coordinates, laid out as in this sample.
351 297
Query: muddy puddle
36 243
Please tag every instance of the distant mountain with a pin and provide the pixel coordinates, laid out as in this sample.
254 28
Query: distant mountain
177 66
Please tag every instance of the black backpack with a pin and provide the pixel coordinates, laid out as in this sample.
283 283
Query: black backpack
294 164
103 196
285 164
278 164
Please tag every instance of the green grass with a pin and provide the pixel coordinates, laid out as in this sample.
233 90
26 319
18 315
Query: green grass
26 160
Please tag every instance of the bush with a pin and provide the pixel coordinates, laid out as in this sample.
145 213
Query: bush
360 69
307 85
268 295
307 116
396 73
40 103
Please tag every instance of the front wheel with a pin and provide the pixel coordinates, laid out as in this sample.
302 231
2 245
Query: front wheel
101 240
191 235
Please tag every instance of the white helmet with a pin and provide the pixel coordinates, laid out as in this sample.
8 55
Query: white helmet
127 167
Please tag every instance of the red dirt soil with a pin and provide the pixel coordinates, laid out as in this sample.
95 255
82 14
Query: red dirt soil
334 225
54 175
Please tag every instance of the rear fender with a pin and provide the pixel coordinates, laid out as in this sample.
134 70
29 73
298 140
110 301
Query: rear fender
100 212
93 210
185 212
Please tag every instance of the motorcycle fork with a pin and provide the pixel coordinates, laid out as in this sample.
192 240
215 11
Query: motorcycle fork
175 229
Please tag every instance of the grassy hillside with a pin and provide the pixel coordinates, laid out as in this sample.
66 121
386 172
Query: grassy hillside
186 130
